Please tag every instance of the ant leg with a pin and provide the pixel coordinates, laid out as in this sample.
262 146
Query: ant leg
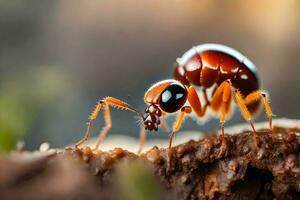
177 124
116 103
107 101
256 96
93 116
220 102
86 134
195 102
108 124
142 139
245 112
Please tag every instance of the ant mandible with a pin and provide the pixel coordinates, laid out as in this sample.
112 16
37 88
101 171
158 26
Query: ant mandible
226 71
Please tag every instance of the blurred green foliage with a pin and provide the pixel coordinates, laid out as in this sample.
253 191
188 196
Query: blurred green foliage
14 120
137 182
22 98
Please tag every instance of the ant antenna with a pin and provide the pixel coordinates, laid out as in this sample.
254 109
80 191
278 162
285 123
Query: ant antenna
132 102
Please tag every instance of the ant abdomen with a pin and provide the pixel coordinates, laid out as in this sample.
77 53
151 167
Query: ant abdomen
211 64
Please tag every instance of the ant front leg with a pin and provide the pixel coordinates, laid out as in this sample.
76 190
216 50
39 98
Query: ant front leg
93 116
106 102
108 124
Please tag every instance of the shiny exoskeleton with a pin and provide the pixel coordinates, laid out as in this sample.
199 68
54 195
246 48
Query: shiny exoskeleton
207 66
227 72
211 64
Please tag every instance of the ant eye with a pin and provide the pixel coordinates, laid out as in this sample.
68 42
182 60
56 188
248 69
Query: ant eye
173 98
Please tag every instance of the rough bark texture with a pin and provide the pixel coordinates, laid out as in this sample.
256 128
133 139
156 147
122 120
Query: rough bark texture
195 170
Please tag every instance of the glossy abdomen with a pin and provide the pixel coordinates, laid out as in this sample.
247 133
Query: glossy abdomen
210 64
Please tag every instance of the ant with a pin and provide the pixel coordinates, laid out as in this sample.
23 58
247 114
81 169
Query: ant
229 74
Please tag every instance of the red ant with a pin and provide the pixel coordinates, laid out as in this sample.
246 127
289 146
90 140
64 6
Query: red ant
215 66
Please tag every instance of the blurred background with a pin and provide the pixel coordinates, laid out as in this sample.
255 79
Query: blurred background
57 58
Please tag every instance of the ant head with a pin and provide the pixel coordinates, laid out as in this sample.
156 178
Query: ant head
151 117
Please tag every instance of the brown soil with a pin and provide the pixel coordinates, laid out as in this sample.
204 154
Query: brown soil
195 170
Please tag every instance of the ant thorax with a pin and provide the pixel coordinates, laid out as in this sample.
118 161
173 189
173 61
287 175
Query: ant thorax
151 117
